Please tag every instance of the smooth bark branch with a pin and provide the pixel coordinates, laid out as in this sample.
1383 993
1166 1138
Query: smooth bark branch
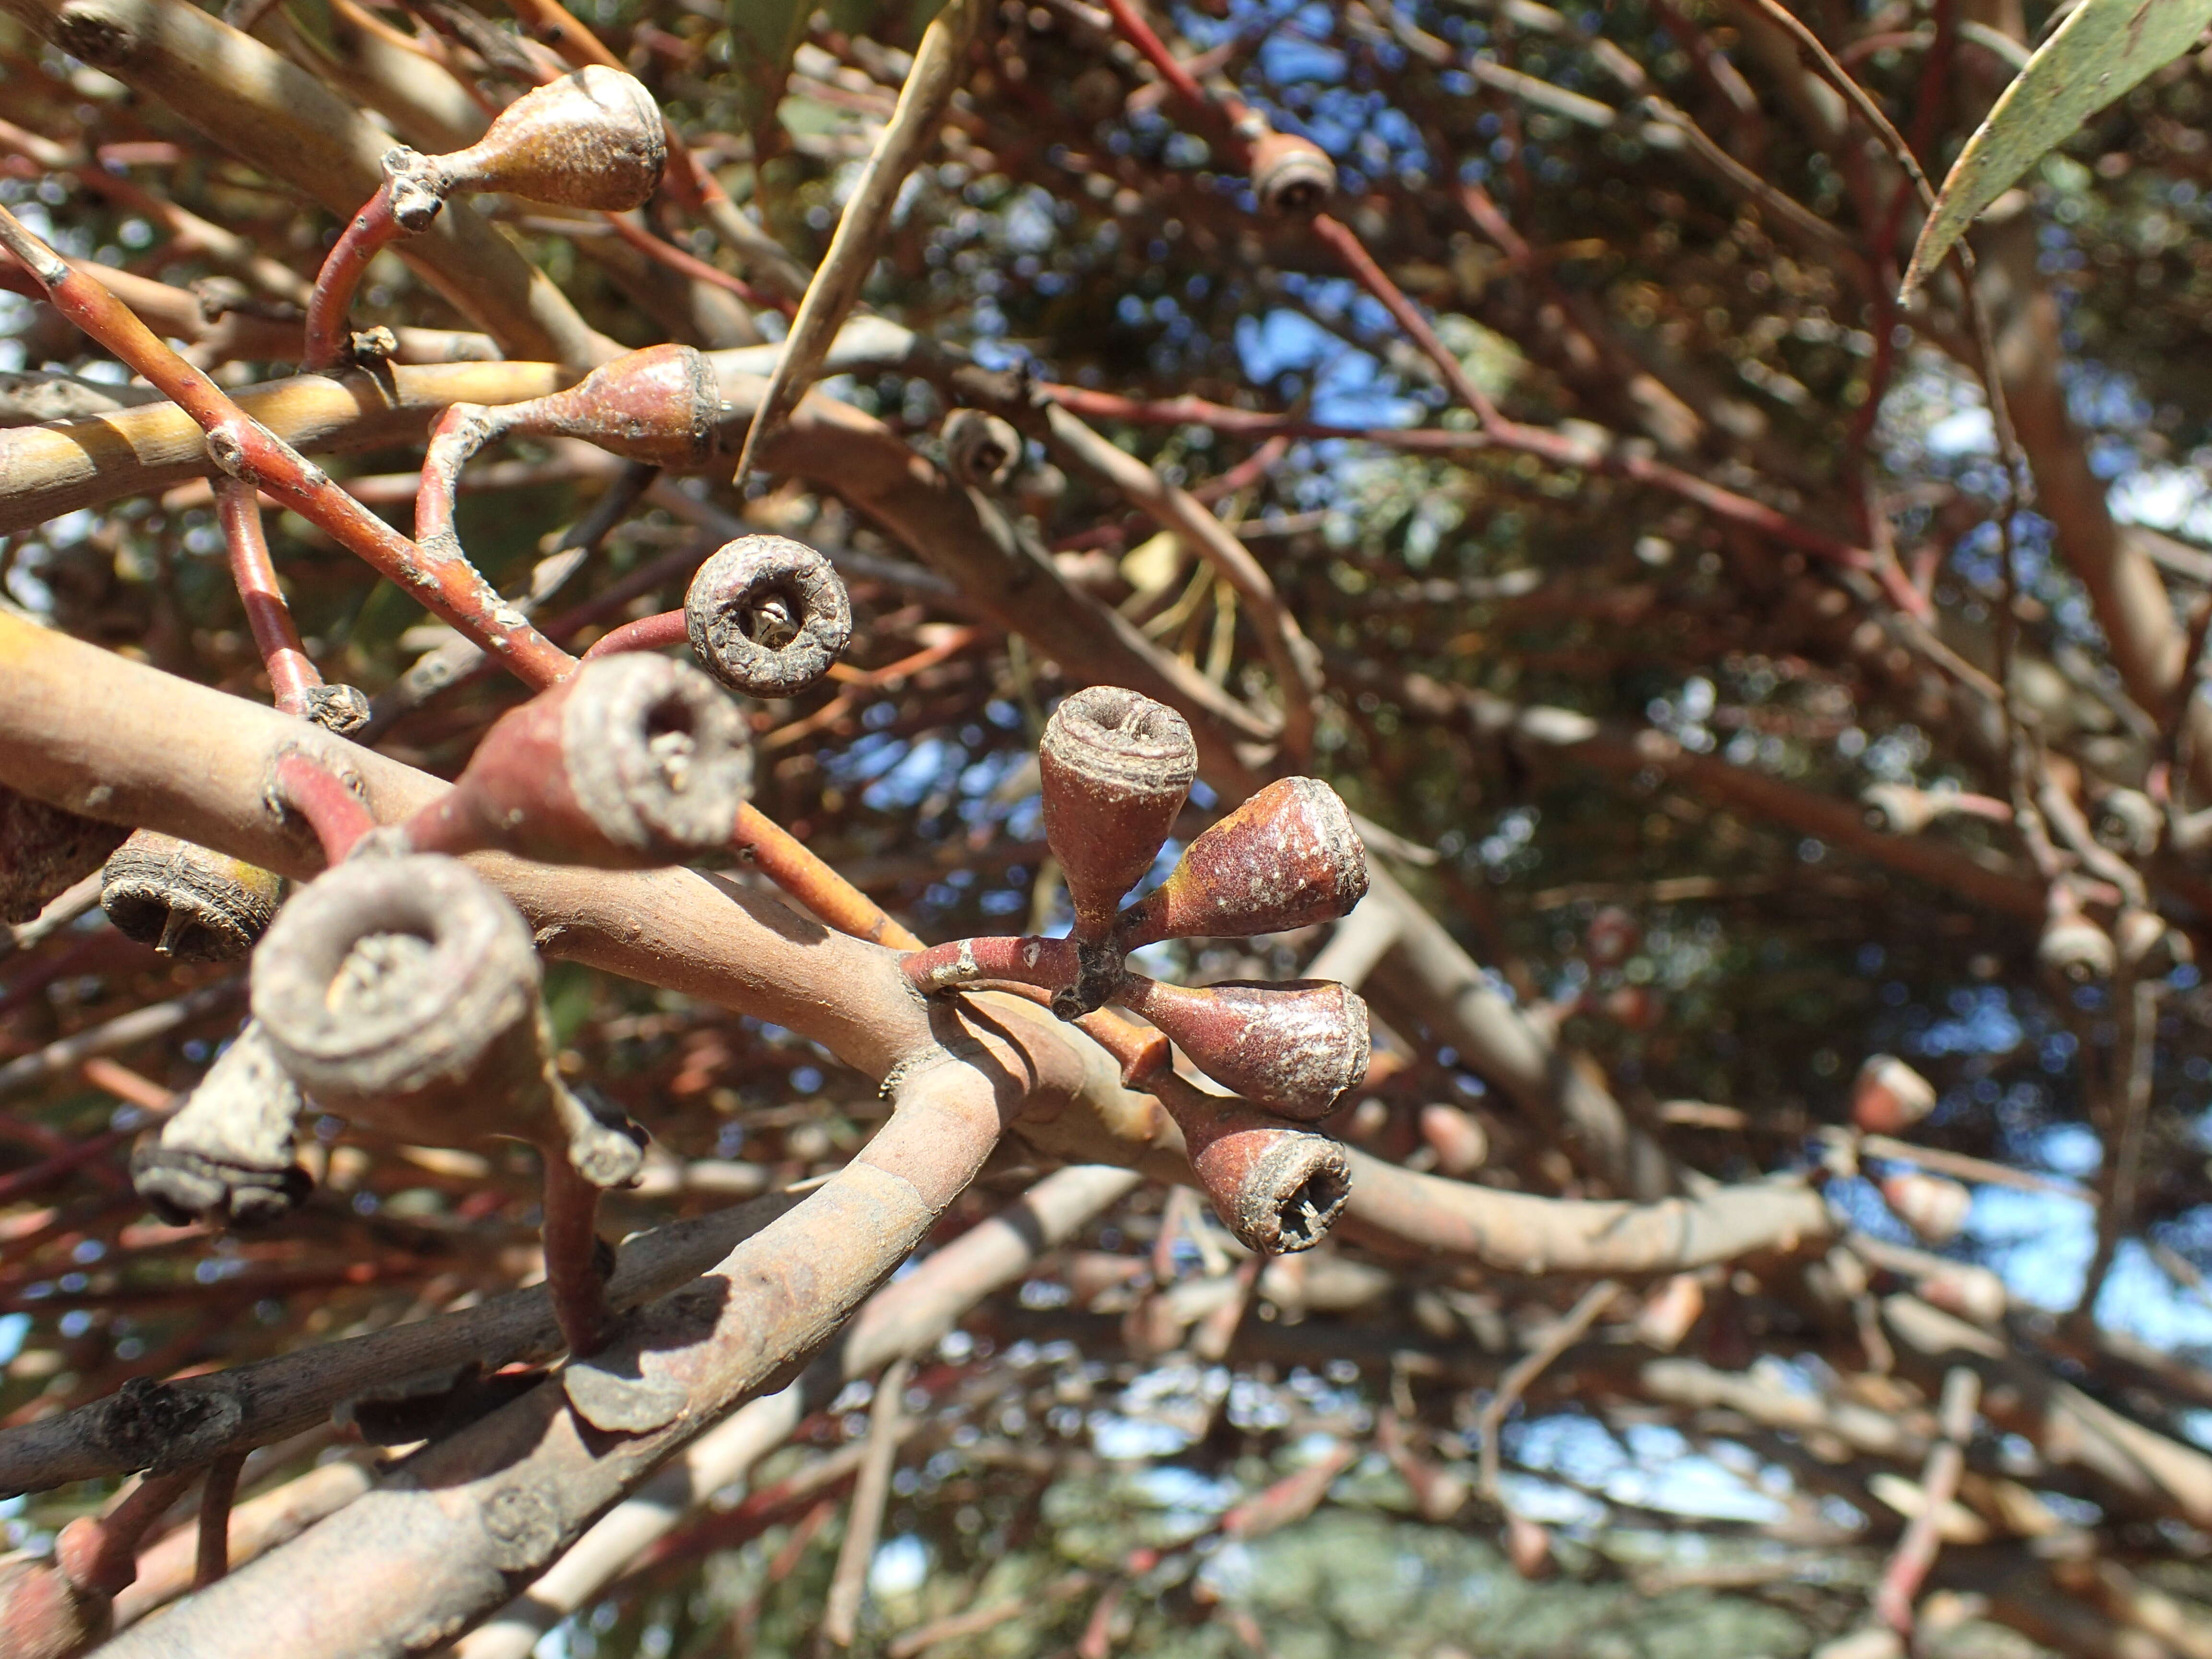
177 1425
905 1318
1517 1233
281 119
436 1544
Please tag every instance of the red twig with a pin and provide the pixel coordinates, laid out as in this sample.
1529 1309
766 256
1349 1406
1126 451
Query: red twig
245 449
332 810
292 675
213 1559
573 1278
371 230
654 632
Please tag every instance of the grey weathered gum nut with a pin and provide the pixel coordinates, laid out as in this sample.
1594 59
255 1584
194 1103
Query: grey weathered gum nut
389 980
767 615
187 900
657 755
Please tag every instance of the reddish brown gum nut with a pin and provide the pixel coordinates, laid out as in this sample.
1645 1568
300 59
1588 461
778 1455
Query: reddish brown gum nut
661 406
767 616
592 139
1291 175
1287 857
1293 1046
633 761
1889 1097
43 1615
187 902
1116 768
1278 1188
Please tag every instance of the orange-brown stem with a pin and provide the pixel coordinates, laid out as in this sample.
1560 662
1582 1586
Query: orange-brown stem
292 674
332 810
573 1276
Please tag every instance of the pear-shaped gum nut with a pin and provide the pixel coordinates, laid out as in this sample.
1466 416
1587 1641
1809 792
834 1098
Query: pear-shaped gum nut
767 616
1291 175
1117 769
661 406
634 760
980 448
1287 857
2072 948
1278 1188
1292 1046
592 139
187 900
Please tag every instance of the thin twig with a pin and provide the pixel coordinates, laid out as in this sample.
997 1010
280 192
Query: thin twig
1939 1483
1563 1333
864 1523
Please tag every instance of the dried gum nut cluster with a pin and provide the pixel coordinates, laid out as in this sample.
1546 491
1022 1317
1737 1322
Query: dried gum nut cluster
1116 768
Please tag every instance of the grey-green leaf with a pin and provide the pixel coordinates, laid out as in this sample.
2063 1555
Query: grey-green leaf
2103 48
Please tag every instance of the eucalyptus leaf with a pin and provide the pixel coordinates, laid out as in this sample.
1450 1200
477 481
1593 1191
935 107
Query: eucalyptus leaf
2103 48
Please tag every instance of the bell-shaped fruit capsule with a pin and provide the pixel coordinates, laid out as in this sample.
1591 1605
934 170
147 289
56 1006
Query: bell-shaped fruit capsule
2130 822
1278 1188
633 761
1291 175
767 616
980 449
1292 1046
661 405
1287 857
1889 1097
187 900
404 986
592 139
2072 947
1934 1206
226 1156
1116 768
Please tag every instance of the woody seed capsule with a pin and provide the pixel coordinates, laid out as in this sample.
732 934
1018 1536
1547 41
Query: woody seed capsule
1116 768
767 616
1292 1046
1291 175
1287 857
592 139
187 900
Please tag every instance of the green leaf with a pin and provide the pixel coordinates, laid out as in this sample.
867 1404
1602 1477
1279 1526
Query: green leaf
2101 51
764 34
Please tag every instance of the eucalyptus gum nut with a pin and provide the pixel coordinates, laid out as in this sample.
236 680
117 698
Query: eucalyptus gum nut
1889 1097
661 406
767 615
1291 175
226 1154
591 139
2072 947
404 991
1288 857
980 449
187 900
1276 1188
633 762
1292 1046
44 851
1116 768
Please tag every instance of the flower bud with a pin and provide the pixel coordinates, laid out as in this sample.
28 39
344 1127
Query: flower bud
1291 175
1889 1097
187 902
1292 1046
592 139
633 761
1287 857
767 616
1116 768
